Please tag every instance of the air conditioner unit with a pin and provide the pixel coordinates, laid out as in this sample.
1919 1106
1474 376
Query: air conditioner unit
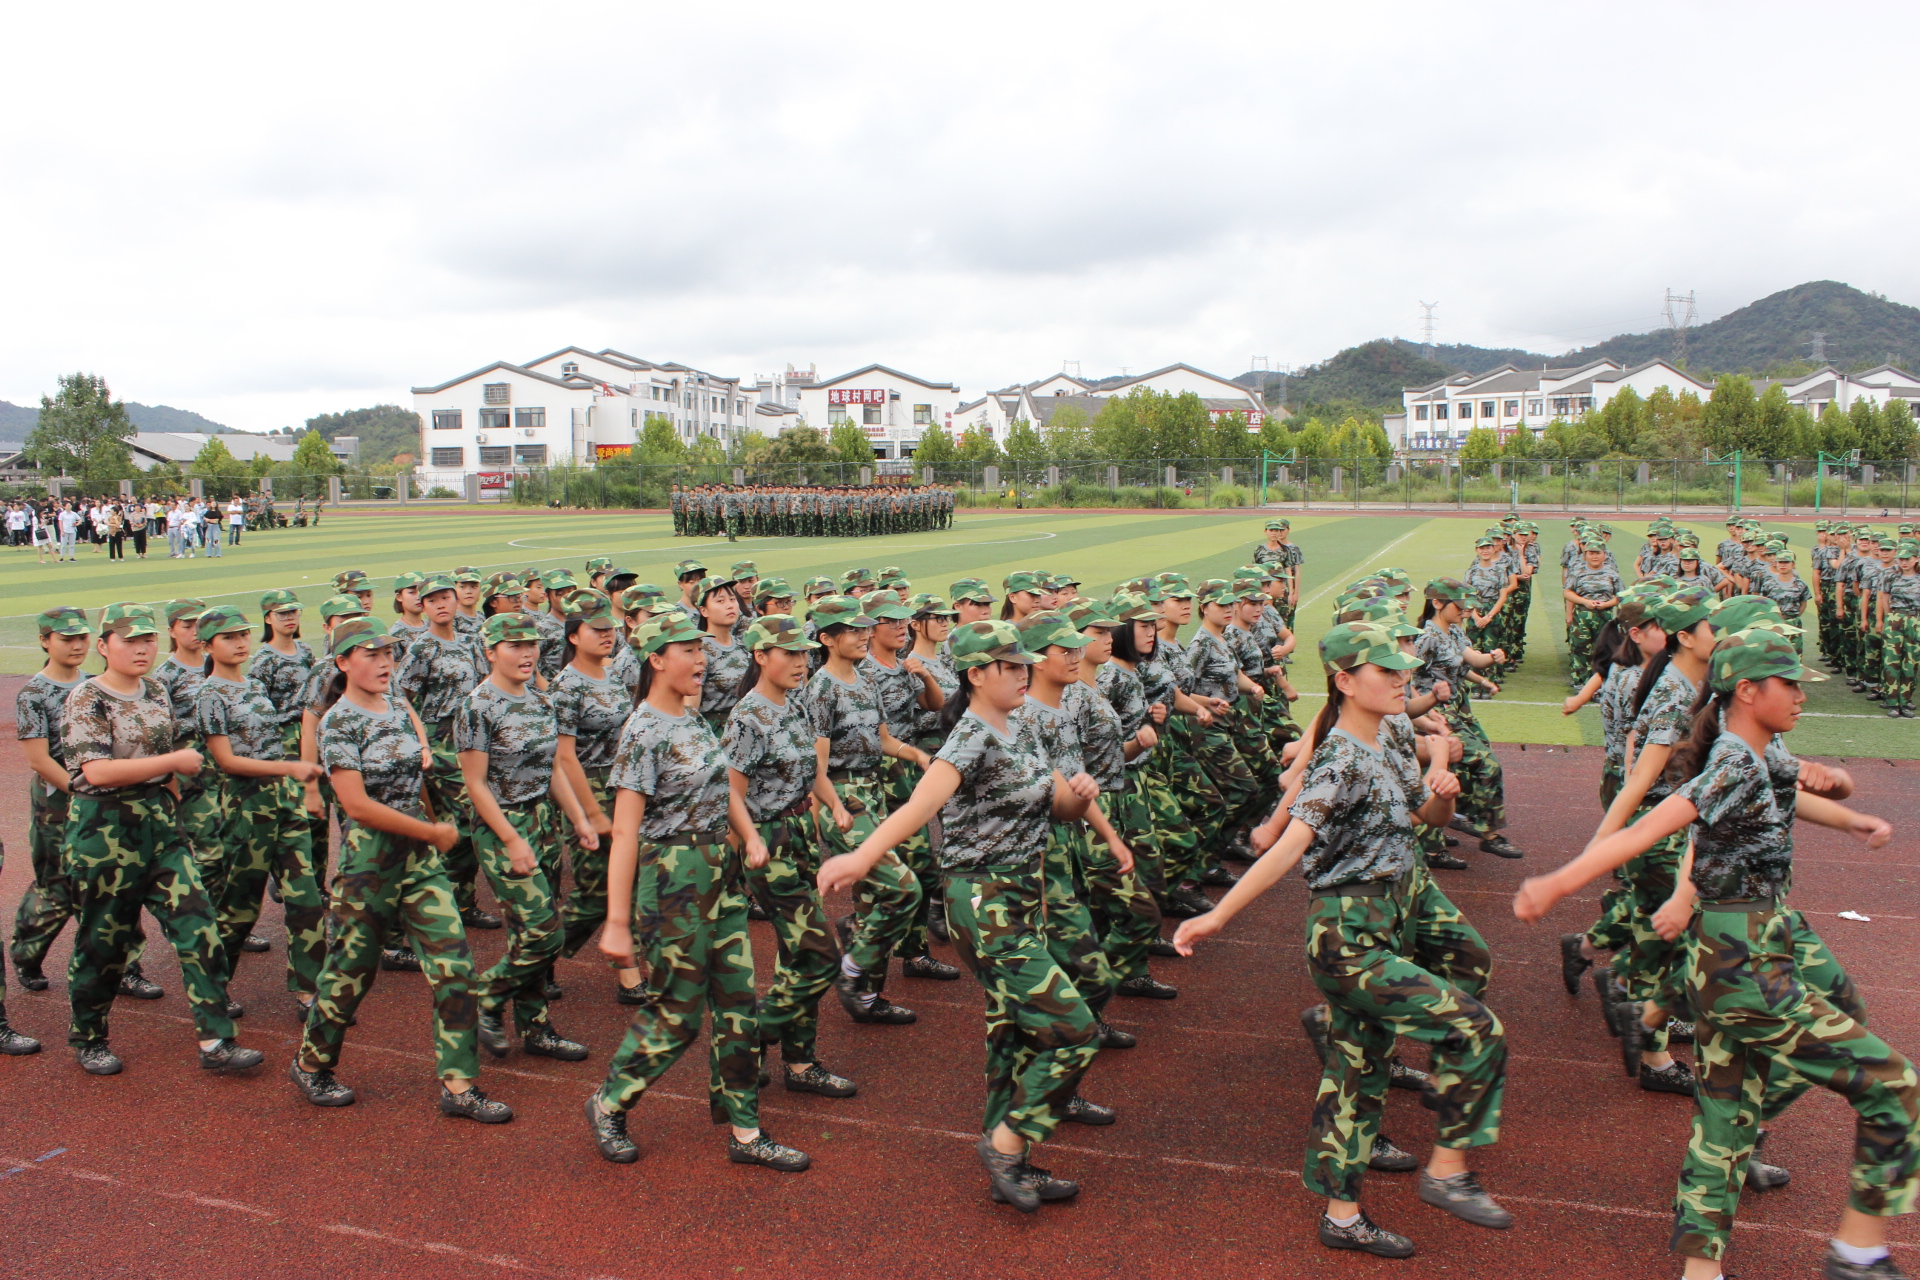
528 431
480 437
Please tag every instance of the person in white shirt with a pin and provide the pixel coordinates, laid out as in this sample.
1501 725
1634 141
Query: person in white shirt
236 519
175 518
69 527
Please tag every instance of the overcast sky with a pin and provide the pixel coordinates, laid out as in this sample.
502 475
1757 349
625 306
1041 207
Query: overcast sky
262 212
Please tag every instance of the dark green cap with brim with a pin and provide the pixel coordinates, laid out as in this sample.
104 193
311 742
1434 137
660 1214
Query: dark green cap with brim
772 589
342 607
362 632
970 589
838 611
1131 606
744 569
590 608
686 567
930 605
503 584
437 582
1277 526
819 586
1363 644
555 579
1684 608
129 619
184 610
467 573
707 586
1050 628
884 606
1024 580
64 620
221 619
669 627
351 580
975 644
1381 612
1743 613
1091 614
278 601
777 631
408 579
1758 653
599 564
1446 590
502 627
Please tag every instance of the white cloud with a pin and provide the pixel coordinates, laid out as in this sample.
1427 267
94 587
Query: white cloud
263 214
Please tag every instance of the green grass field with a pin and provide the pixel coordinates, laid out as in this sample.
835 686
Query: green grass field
1102 548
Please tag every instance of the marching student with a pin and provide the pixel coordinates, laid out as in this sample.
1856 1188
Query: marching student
1481 810
39 709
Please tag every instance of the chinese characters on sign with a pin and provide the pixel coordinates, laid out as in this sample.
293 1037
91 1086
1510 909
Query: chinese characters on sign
601 452
1254 416
857 396
494 479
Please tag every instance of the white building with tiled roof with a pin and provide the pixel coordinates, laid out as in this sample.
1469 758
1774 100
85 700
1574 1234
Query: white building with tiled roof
892 408
1830 386
1036 402
1508 399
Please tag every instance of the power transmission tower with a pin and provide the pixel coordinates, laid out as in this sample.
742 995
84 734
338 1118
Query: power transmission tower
1259 364
1818 346
1679 321
1426 328
1070 367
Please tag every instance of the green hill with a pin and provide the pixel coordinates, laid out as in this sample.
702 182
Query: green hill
384 430
1364 378
148 417
1862 330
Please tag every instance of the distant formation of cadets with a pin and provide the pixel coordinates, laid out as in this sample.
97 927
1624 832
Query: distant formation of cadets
808 511
1037 777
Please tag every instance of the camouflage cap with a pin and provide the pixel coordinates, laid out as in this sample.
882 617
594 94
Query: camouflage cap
1484 541
975 644
1757 653
351 580
1362 644
1382 612
637 598
707 586
838 611
1743 613
1784 556
590 608
64 620
744 569
1131 606
777 631
1689 551
1147 589
970 589
856 576
502 584
129 619
818 587
1823 526
1683 608
1066 580
221 619
890 574
467 573
408 579
277 601
1050 627
509 626
686 567
437 582
183 610
1446 590
930 605
599 564
884 606
772 589
1278 526
614 575
1091 613
1909 547
342 607
1024 580
670 627
362 632
555 579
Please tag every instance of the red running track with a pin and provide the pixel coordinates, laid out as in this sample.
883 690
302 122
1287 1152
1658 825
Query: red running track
166 1171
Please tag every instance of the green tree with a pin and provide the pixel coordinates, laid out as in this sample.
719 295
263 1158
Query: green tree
1519 446
1070 434
83 432
217 468
749 450
1898 435
803 449
1313 440
1837 433
1803 434
1732 415
1481 445
1360 438
660 443
976 445
1024 444
1620 420
384 431
849 444
1118 431
313 457
1772 425
936 447
706 451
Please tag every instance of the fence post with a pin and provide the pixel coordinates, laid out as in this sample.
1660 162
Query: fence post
333 490
1173 477
992 477
126 488
196 488
1113 477
400 487
1676 486
1053 477
471 483
926 475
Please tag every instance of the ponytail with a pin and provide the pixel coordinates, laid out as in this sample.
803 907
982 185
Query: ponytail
336 684
956 706
1690 757
1604 653
751 680
1006 607
1651 675
1426 611
1328 717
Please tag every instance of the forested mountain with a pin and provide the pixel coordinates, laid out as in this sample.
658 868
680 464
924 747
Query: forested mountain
18 419
1862 330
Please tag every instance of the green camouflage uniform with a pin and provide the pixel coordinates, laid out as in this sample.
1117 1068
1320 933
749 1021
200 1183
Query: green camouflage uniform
1393 958
1648 963
590 712
1589 584
899 692
727 666
1041 1035
1051 735
1483 792
1124 912
1132 809
1777 1015
434 677
124 851
690 919
48 901
385 884
1612 929
1902 661
202 799
1187 805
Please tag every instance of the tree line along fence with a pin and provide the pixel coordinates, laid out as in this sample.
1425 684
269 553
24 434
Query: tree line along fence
286 490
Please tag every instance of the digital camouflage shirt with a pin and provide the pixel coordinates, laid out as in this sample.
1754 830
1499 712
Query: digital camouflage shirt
1743 838
727 666
590 712
183 688
927 733
1443 653
677 764
1359 801
1485 581
899 693
624 668
99 724
284 678
1593 584
773 745
1211 667
1615 701
518 733
1665 719
1157 681
1101 741
1171 656
240 711
1903 594
1791 594
404 633
848 717
37 710
1000 813
553 644
437 675
1247 652
1128 697
382 748
1050 734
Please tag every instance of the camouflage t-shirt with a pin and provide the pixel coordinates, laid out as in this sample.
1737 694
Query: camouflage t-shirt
1157 682
1050 734
517 733
1903 594
37 711
676 763
1211 667
1594 584
1709 576
926 724
240 711
1666 562
1128 698
727 666
1743 838
773 745
1359 801
1000 813
1791 595
1615 701
1443 651
1285 555
590 712
382 748
437 675
1268 632
1100 737
182 683
1172 656
284 678
624 668
1247 652
1665 719
404 633
469 625
553 644
1484 582
848 716
99 724
899 692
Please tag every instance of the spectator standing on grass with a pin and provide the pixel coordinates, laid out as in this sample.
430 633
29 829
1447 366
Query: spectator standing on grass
69 530
236 519
208 523
116 533
173 519
43 528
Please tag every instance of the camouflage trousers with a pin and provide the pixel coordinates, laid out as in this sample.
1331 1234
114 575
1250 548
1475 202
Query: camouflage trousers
265 834
586 907
1777 1016
898 779
1612 929
1403 962
1250 728
447 790
1124 913
1483 788
47 904
1216 754
808 957
691 914
1580 637
1138 819
1900 658
124 853
390 886
887 900
1649 966
1041 1036
1071 935
1611 778
1488 638
527 904
203 815
1177 789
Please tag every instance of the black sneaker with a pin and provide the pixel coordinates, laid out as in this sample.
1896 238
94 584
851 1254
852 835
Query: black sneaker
1219 877
763 1150
1112 1037
134 984
1764 1177
1389 1158
255 943
817 1079
493 1034
1366 1237
1445 861
1464 1198
1501 847
30 976
1573 965
1452 842
235 1009
544 1042
610 1132
399 960
634 995
1603 988
1313 1021
1043 1184
15 1045
1080 1111
474 1105
228 1056
1633 1036
1402 1076
880 1011
475 918
97 1060
1161 949
1672 1078
1005 1172
1679 1031
928 967
1189 897
319 1087
1835 1267
1143 986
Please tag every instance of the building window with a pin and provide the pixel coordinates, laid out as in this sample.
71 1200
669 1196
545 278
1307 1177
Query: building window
1486 408
836 413
529 417
499 393
1512 408
1419 413
1561 406
492 418
495 455
1586 403
569 367
530 455
449 457
1535 408
870 414
922 415
446 419
1440 412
